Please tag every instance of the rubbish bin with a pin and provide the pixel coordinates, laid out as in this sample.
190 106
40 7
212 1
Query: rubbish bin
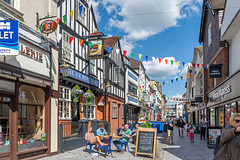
82 127
95 125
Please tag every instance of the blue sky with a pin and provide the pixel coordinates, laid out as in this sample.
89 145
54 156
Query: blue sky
157 28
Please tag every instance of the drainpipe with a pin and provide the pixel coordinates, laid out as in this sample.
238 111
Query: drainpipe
228 54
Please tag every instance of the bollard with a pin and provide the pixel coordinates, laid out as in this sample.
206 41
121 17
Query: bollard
82 127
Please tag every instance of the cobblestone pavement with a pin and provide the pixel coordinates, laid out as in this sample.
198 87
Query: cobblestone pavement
182 149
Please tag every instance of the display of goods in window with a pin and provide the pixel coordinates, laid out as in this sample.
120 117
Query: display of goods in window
76 92
88 96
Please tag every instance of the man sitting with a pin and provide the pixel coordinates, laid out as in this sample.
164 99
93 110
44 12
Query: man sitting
101 132
126 135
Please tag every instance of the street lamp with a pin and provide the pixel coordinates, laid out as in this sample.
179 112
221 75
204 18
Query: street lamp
64 68
108 86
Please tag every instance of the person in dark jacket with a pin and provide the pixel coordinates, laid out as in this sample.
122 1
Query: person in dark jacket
230 140
180 124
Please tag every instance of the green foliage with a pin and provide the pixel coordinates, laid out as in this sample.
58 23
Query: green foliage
146 125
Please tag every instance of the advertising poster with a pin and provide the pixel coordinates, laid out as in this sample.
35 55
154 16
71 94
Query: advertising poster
213 133
96 50
9 38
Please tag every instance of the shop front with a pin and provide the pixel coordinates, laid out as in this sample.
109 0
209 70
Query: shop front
224 101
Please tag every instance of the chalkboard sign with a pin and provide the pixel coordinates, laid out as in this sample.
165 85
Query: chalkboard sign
146 141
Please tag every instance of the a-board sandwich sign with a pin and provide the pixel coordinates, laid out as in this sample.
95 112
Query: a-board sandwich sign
9 42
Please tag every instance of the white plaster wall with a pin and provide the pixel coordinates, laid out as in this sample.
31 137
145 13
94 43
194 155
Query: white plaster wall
234 55
54 125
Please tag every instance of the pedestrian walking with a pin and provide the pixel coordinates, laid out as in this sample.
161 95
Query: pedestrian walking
230 140
170 130
191 130
203 125
188 129
180 124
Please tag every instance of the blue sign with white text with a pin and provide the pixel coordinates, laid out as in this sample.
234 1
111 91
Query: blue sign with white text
82 77
9 38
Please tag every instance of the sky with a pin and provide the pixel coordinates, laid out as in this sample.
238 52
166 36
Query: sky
166 29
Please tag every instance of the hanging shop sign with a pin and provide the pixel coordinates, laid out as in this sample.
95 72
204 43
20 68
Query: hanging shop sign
96 49
82 77
198 99
193 103
222 92
48 27
215 71
31 53
9 37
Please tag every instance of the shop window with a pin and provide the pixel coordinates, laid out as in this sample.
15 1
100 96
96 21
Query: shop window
227 114
92 66
221 116
114 111
233 108
31 118
4 124
238 107
64 103
132 88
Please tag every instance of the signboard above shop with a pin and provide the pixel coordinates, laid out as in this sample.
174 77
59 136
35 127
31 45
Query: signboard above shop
48 26
96 49
215 71
9 37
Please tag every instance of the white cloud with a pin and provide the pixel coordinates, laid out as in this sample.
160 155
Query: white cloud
156 70
140 19
185 69
95 5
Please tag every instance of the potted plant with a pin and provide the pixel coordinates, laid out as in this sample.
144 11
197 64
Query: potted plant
76 92
141 116
88 96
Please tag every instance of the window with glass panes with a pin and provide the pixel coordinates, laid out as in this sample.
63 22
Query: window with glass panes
83 17
64 103
114 111
92 66
88 112
67 47
10 2
122 111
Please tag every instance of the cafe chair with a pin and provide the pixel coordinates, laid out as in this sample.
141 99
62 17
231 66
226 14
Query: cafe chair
118 131
126 146
90 145
107 147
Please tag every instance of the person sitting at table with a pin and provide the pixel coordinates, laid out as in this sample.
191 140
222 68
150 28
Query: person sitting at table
101 132
92 139
135 133
126 135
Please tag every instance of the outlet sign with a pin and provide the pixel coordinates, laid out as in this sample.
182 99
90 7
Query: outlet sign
9 42
215 71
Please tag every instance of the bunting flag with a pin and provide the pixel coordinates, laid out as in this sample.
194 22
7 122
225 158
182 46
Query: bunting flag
140 56
52 24
64 18
159 59
47 34
168 97
193 65
118 51
70 39
109 49
178 63
80 10
101 0
99 47
90 44
81 42
198 65
174 99
59 37
150 94
201 70
159 84
166 60
132 54
41 29
57 22
156 84
190 74
207 68
195 72
172 62
124 52
137 88
163 83
203 65
153 94
71 15
146 57
181 77
142 86
176 79
183 63
46 26
172 80
186 76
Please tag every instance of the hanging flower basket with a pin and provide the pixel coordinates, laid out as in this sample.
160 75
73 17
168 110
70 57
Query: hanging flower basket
76 92
88 96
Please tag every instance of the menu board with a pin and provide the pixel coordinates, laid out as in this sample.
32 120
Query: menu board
212 134
146 141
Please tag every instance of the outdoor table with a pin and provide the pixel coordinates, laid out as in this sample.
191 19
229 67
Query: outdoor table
113 137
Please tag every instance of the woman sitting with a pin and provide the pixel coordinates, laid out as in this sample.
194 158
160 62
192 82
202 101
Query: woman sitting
92 139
